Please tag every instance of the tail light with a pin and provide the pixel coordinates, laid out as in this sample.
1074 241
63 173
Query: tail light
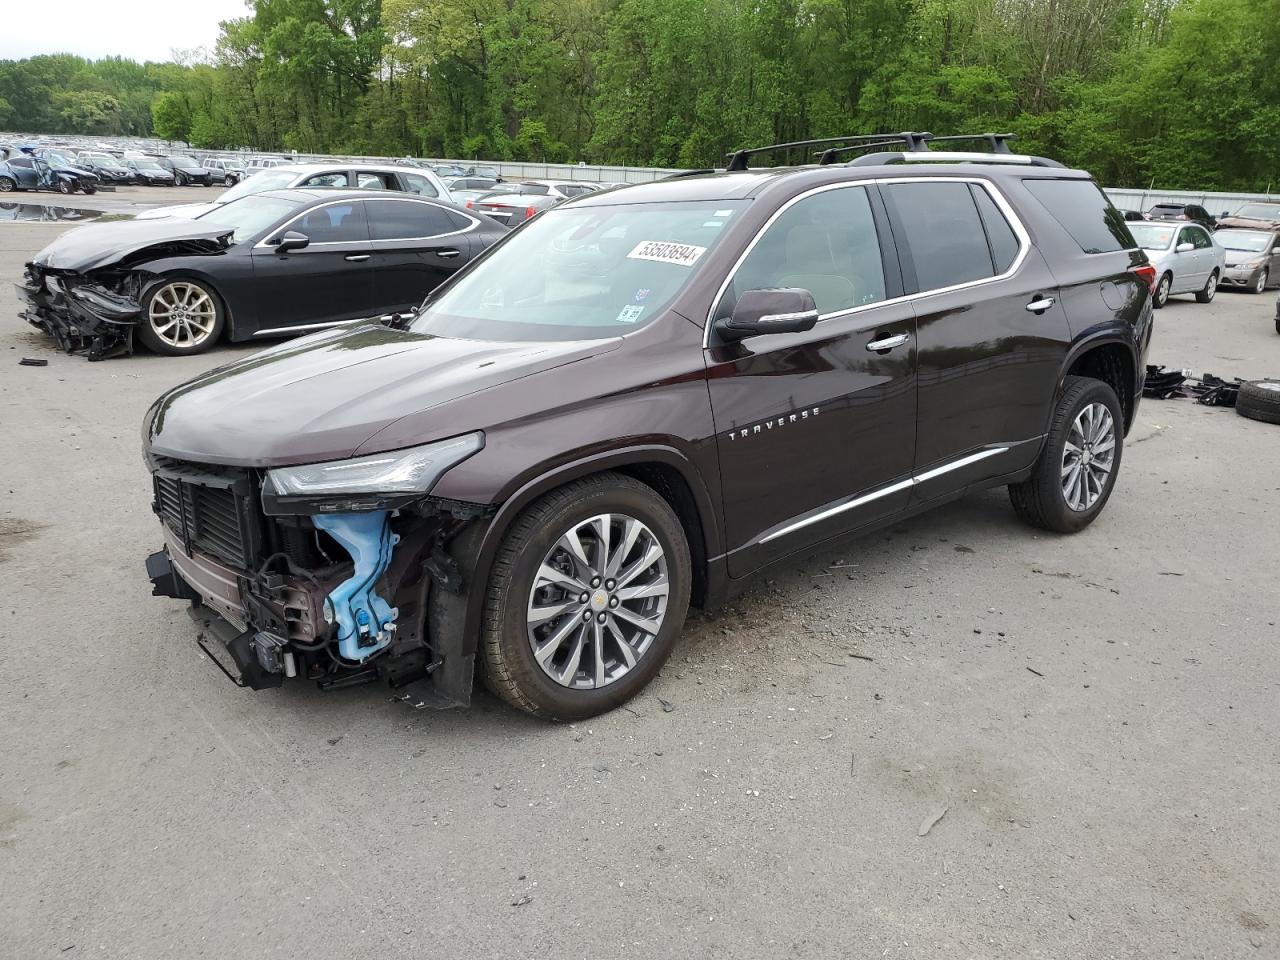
529 212
1148 273
469 202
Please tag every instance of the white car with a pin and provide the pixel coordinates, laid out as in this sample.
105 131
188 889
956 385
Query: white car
339 173
1186 257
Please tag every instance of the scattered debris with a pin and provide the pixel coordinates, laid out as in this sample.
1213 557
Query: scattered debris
959 548
1170 573
861 656
1164 384
333 741
929 822
523 901
1035 671
667 705
33 362
827 736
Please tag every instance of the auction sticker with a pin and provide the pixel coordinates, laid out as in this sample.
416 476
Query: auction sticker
663 252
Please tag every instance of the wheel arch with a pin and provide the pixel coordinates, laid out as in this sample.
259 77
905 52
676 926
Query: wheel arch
1112 359
454 621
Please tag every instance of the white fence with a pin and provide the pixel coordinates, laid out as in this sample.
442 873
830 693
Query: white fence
1216 203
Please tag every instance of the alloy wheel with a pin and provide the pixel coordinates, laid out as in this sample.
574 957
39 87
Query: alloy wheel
1211 287
6 185
1162 291
182 314
598 601
1261 283
1088 456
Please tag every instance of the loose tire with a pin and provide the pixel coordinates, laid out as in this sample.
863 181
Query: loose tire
1260 284
181 316
1210 288
1077 469
1260 399
7 185
1161 296
586 598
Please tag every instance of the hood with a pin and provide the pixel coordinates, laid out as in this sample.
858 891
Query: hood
104 244
185 211
322 397
1249 223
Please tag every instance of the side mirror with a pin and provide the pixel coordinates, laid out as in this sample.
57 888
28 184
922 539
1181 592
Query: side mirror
1225 213
294 241
776 310
1184 248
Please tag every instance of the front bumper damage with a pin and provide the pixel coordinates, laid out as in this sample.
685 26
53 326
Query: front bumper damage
83 317
341 599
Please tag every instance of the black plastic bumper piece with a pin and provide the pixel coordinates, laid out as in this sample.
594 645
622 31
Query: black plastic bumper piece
165 580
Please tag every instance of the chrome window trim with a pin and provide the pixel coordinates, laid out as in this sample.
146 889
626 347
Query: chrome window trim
1001 202
896 487
263 245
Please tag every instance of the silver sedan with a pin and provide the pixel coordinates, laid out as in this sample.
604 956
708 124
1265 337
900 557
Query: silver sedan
1186 258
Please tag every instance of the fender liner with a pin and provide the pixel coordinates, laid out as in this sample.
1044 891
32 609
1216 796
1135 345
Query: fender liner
454 621
1091 341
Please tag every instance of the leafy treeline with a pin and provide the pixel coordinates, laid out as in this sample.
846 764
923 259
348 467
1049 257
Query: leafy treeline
1182 93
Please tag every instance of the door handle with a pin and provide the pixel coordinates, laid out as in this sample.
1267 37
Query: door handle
446 254
888 343
356 257
1041 304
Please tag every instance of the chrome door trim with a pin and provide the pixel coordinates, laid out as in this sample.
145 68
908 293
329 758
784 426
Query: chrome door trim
1015 223
892 488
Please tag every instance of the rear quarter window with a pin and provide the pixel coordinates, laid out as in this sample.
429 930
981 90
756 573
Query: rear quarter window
1084 212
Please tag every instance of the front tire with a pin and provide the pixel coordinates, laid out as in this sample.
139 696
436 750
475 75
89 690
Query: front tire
586 599
1077 469
180 179
64 187
1260 284
181 316
1161 296
229 180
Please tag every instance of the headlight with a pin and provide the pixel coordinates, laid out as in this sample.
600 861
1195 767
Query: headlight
1256 262
411 471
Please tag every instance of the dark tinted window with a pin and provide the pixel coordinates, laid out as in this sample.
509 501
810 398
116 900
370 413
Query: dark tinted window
1000 236
23 162
407 220
944 233
539 189
826 244
334 223
1084 212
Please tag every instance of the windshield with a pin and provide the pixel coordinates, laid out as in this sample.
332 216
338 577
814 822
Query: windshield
267 180
249 216
580 273
1152 236
1260 211
1253 241
183 160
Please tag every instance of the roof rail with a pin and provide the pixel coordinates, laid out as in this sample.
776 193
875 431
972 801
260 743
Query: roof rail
950 156
685 173
738 159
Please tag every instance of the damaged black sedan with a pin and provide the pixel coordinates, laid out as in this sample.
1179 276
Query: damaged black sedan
268 265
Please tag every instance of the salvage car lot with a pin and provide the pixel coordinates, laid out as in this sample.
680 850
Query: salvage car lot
1095 714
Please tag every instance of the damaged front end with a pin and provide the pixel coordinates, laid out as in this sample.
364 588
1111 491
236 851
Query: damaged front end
87 288
288 578
94 318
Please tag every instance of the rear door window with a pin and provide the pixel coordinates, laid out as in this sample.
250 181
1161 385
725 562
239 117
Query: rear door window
1000 236
335 178
1201 239
417 183
944 233
1084 212
407 220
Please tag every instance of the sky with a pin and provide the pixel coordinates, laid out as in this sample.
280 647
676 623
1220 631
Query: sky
138 29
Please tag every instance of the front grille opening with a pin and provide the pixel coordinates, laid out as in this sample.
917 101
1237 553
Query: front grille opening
210 509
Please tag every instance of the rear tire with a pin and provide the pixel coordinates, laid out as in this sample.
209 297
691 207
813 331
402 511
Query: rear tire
580 667
1080 459
1259 399
7 185
1210 288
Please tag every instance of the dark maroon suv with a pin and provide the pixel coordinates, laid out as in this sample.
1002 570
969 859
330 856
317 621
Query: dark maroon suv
635 402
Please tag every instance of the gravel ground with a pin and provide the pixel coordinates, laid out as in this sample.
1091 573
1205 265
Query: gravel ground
1096 715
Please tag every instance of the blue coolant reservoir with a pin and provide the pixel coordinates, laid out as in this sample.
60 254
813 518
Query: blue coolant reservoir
366 622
